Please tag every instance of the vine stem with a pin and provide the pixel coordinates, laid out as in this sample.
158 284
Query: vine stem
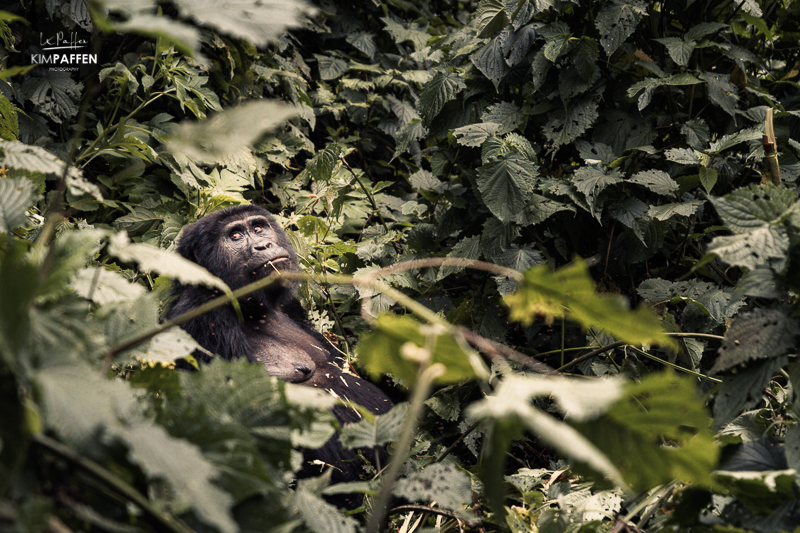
425 380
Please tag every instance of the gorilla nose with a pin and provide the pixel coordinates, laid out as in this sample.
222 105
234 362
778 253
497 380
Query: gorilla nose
304 370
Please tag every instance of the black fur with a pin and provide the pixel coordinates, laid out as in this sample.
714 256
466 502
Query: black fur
242 244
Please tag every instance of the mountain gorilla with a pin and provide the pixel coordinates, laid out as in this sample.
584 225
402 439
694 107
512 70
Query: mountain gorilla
243 244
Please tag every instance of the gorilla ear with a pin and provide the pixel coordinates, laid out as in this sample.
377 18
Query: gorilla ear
187 243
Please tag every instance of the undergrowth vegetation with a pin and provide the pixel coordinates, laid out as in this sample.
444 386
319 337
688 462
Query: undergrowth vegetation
567 233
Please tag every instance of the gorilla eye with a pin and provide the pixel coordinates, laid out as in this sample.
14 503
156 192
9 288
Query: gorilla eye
236 235
257 229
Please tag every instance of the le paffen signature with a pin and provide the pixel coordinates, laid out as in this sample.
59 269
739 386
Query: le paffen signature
60 41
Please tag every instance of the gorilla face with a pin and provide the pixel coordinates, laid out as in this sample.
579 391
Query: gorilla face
250 241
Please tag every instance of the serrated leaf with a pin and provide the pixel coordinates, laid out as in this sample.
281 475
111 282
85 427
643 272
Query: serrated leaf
657 181
229 131
704 28
491 58
557 36
679 50
569 292
466 248
71 251
474 135
751 207
697 132
320 516
167 263
616 21
761 282
490 17
753 248
667 211
444 483
54 95
381 430
539 209
630 212
363 41
442 88
254 20
331 67
744 390
16 197
506 184
384 351
565 127
721 91
759 334
592 180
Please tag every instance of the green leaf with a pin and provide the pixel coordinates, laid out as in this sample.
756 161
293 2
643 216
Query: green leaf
490 17
442 88
667 211
751 207
567 126
376 430
473 135
506 184
758 334
539 209
592 180
679 50
569 292
253 20
9 125
557 36
466 248
71 251
661 408
229 131
617 21
180 464
331 67
657 181
55 94
320 516
393 348
721 91
744 390
16 197
444 483
171 345
708 178
491 59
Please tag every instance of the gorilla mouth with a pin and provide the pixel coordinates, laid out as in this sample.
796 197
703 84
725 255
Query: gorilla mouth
273 265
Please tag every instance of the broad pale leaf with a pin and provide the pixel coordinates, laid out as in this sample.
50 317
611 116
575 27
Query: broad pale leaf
657 181
721 91
150 258
441 482
667 211
376 432
320 516
258 21
229 131
565 127
104 286
185 37
171 345
751 207
753 248
592 180
16 196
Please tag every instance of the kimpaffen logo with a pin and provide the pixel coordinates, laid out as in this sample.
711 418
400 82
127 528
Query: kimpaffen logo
63 52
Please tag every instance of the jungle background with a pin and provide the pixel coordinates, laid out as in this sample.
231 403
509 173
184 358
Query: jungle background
628 249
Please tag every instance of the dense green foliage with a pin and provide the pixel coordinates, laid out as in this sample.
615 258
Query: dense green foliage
500 176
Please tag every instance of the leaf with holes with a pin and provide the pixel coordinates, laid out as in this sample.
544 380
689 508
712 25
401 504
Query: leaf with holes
759 334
